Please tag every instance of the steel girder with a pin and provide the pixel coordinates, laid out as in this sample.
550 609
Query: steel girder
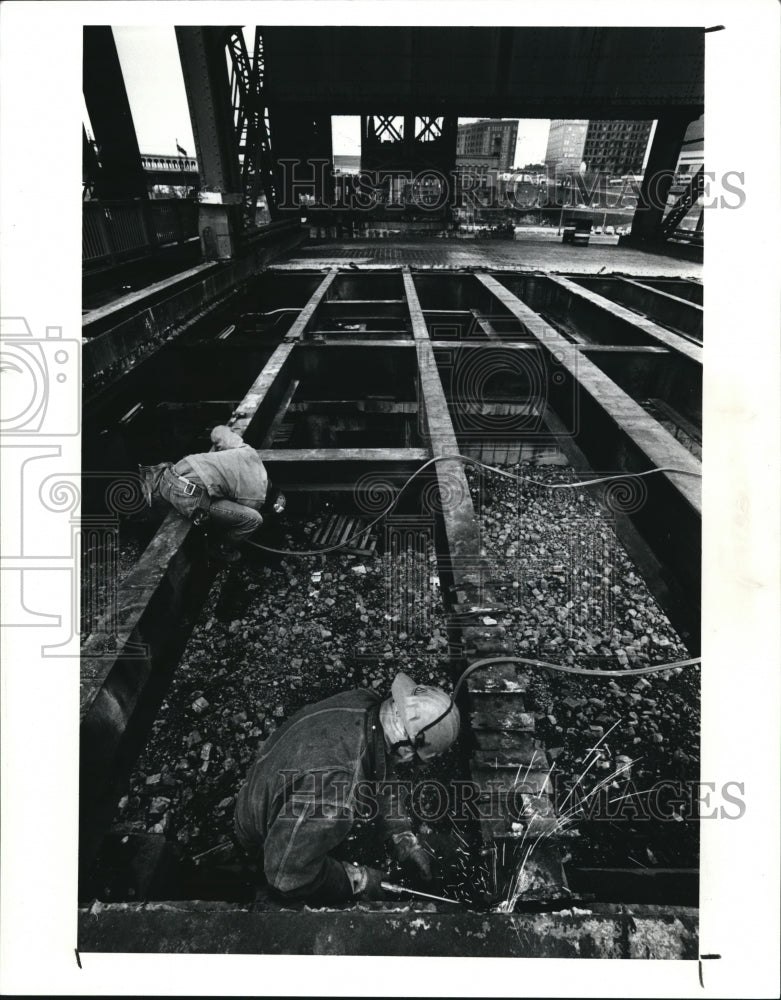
251 123
683 205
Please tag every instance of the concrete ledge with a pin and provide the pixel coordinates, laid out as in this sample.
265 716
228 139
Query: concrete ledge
209 928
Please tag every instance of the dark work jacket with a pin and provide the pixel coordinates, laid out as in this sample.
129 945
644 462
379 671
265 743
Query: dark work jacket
302 793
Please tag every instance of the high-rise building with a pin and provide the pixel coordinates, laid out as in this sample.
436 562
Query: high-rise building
488 144
566 139
606 147
616 147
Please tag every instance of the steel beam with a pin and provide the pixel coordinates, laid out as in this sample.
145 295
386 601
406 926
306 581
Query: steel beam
688 198
676 312
252 130
337 469
682 315
205 72
658 176
656 444
617 435
616 312
473 610
643 73
459 520
121 174
684 288
351 341
257 410
369 455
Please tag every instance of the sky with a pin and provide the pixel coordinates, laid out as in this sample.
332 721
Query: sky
153 79
155 88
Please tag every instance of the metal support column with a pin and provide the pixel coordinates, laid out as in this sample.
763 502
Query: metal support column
659 175
205 71
304 155
121 174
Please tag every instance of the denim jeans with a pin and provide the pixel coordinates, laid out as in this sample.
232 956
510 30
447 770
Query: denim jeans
237 519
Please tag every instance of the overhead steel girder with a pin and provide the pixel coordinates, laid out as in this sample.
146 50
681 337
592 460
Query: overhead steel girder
577 72
120 174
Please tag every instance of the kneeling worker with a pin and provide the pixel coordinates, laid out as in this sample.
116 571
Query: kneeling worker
229 485
299 800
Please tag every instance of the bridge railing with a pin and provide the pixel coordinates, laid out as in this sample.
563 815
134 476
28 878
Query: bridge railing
115 231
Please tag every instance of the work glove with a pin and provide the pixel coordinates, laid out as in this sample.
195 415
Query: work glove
410 854
365 882
280 503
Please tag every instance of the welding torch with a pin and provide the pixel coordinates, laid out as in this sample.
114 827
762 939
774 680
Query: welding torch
399 890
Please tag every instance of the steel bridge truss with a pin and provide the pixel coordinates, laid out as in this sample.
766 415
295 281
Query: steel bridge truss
428 129
251 123
687 200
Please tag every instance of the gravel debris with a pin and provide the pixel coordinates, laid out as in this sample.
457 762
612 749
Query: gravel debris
574 597
270 639
273 637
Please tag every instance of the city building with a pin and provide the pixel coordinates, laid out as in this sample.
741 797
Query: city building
488 144
566 139
604 146
616 147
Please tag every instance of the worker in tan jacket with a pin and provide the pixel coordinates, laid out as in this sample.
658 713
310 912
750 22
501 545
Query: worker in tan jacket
229 485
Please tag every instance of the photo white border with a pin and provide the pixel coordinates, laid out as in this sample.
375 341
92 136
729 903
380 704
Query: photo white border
40 88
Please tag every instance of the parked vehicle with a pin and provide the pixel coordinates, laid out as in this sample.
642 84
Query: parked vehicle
577 226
